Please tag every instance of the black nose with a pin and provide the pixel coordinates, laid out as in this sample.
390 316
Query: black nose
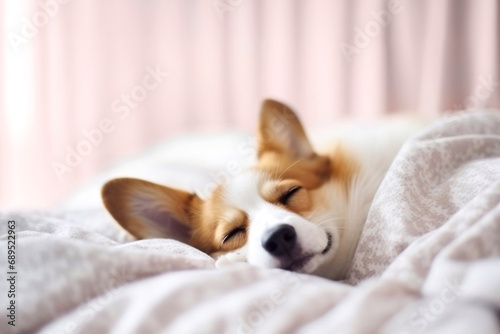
279 240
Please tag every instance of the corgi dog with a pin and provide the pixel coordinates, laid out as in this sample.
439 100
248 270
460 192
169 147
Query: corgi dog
300 208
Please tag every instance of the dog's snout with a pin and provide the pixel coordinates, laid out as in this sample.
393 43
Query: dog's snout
279 240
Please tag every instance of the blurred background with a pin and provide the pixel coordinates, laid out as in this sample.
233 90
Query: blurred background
86 83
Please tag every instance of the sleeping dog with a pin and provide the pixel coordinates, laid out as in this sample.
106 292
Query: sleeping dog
300 208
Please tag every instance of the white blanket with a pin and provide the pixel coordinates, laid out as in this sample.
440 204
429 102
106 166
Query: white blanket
428 261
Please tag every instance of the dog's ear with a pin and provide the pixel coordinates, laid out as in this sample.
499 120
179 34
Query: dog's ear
283 147
149 210
280 131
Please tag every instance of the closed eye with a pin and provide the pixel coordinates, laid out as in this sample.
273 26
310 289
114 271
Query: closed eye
233 233
288 195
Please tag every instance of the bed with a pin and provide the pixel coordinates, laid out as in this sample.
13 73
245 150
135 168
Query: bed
428 260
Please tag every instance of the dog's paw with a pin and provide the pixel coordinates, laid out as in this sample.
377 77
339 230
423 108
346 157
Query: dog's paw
230 259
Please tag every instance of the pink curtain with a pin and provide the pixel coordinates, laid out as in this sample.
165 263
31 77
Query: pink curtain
99 65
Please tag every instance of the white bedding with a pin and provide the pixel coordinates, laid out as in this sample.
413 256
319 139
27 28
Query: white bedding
428 261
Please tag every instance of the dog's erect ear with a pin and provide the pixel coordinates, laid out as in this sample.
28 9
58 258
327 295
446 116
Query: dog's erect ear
149 210
283 147
280 131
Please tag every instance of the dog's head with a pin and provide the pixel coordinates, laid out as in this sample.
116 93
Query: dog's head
285 212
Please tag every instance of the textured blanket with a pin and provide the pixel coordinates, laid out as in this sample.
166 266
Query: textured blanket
428 261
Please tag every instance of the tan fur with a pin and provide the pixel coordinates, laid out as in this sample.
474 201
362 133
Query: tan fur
343 167
272 190
217 220
283 147
119 194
